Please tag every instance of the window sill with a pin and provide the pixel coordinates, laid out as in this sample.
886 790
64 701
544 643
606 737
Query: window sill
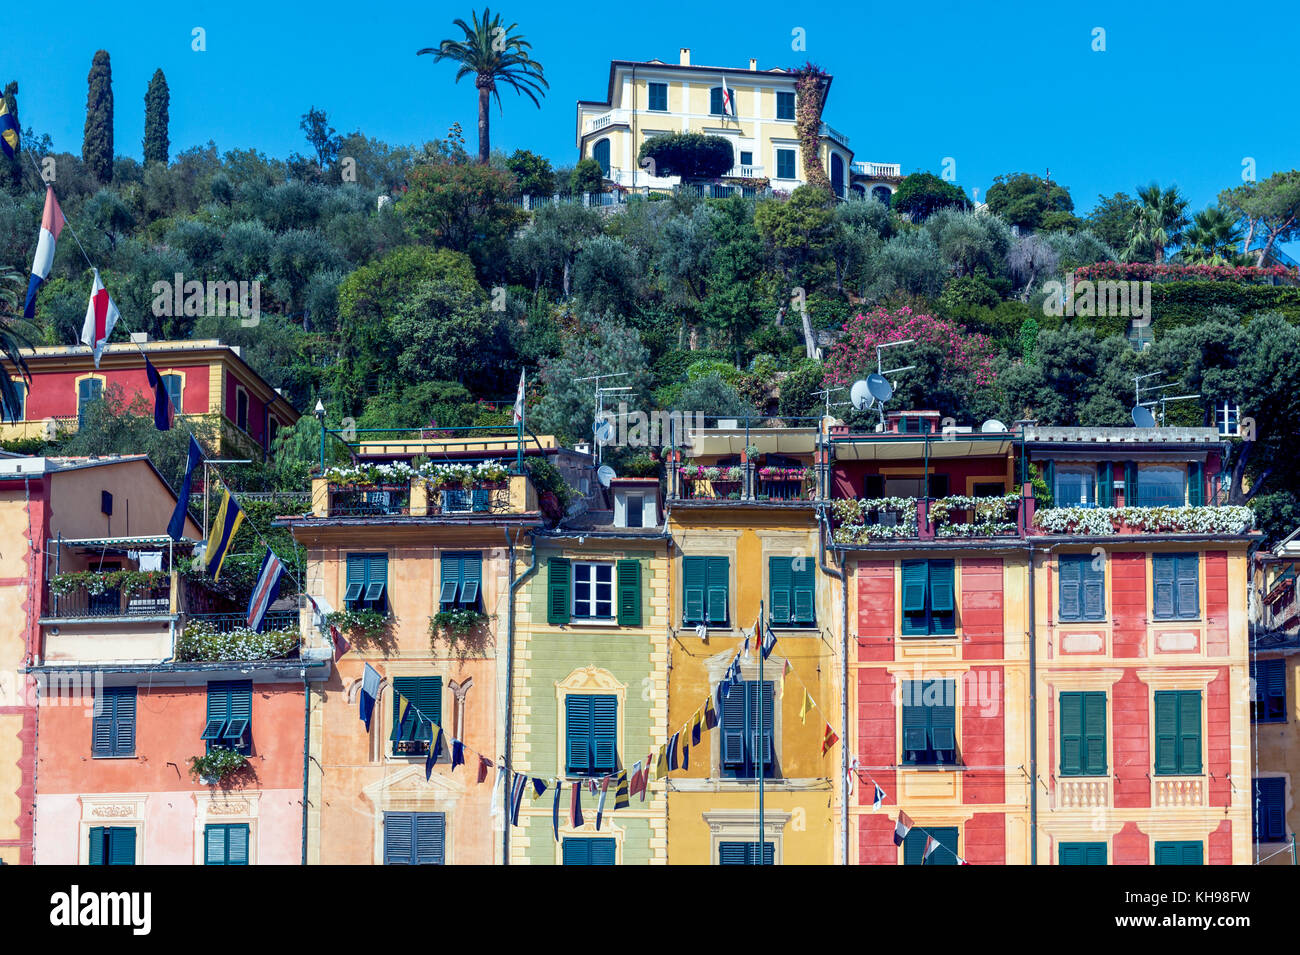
132 756
593 622
937 767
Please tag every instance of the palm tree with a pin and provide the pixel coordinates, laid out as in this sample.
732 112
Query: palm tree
1158 223
11 340
1212 239
494 54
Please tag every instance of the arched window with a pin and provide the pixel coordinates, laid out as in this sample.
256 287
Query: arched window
89 390
600 153
241 409
837 175
883 194
858 192
175 385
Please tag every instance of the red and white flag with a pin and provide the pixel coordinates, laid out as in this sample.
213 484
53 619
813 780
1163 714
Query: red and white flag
518 414
930 845
101 316
52 223
728 100
902 827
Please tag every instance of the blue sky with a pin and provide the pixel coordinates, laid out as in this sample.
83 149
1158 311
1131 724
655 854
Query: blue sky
1005 88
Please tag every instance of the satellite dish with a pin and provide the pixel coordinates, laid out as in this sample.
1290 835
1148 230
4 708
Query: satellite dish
879 387
860 396
604 430
992 426
1143 418
605 474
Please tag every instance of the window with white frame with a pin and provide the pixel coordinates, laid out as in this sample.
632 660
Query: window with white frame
593 590
1075 487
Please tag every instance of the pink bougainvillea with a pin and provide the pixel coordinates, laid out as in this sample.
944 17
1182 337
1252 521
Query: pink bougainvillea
1164 271
966 352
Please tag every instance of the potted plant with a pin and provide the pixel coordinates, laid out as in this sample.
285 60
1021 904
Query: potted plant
216 765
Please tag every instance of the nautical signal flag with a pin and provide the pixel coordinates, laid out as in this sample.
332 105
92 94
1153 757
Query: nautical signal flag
229 517
370 681
265 590
806 706
930 845
162 402
622 798
879 797
52 223
902 827
101 316
518 413
829 740
8 130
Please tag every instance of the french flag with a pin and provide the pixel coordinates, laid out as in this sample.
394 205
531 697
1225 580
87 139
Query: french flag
265 590
51 225
902 827
101 316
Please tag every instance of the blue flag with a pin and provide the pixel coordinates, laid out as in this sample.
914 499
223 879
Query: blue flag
162 402
176 526
457 753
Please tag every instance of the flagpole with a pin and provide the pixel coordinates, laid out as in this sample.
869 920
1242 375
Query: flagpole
762 750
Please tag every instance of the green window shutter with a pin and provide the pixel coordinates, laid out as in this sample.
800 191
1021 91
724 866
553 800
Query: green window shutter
1195 484
1162 574
943 722
1071 734
356 580
915 580
734 718
1189 732
1166 707
604 721
719 583
694 580
629 593
430 838
779 581
450 581
471 576
915 723
376 597
576 852
229 714
97 840
1094 734
578 711
124 722
1105 484
558 573
214 845
121 845
1049 477
399 838
237 844
942 590
1179 853
1070 571
1081 853
759 726
1187 595
424 694
914 847
1092 590
101 731
802 588
1130 483
602 851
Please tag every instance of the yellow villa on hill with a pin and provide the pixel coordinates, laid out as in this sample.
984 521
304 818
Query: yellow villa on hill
647 99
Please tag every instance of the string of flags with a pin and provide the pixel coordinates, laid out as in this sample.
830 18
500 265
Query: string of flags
903 824
671 756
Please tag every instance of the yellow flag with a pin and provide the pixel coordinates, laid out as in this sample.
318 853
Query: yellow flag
661 763
229 517
806 707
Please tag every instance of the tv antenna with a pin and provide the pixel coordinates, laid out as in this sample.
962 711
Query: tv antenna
878 385
826 394
600 427
1142 414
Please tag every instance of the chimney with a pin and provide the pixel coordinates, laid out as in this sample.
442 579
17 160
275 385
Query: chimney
684 56
753 64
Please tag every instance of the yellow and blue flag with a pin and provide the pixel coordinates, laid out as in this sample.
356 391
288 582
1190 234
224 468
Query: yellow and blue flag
8 130
229 517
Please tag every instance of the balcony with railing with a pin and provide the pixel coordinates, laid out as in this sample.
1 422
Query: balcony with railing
830 132
746 482
877 170
873 520
1082 792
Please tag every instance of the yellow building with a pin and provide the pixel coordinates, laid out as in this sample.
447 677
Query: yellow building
649 98
743 514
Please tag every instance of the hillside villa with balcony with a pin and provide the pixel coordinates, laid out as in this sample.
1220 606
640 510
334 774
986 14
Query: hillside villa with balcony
648 98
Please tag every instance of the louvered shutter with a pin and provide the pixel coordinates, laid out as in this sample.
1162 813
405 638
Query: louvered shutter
943 722
399 838
733 719
124 721
356 580
558 574
1189 586
1193 853
1130 484
759 729
471 575
1189 732
237 844
914 847
1069 854
801 585
102 732
576 852
1195 484
778 589
718 586
1094 853
1093 589
1071 734
98 838
732 853
915 577
121 845
377 573
1163 573
1274 689
1094 734
605 733
424 694
915 723
214 845
601 852
1272 808
629 593
694 581
1166 707
578 733
1070 569
1105 485
449 581
941 586
430 838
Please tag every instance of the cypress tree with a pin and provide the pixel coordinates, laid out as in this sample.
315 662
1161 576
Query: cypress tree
11 170
157 100
97 143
